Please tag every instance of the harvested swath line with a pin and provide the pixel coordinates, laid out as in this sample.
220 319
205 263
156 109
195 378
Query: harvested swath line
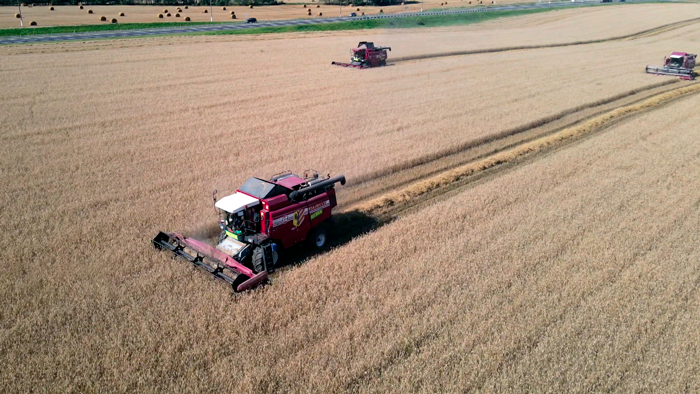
352 222
490 138
407 196
641 34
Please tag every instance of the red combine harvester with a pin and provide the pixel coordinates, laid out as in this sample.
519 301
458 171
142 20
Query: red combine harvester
257 221
366 55
679 64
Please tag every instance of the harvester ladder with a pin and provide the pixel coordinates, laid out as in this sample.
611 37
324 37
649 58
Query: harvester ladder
267 257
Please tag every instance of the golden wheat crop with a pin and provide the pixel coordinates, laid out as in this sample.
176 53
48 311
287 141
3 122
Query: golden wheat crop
574 272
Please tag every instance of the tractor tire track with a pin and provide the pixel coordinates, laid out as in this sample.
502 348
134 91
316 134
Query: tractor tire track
628 37
387 179
375 201
390 206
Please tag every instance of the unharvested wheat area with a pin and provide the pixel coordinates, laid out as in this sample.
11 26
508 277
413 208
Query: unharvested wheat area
571 269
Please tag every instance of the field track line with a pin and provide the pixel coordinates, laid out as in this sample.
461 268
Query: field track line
402 174
628 37
375 210
392 204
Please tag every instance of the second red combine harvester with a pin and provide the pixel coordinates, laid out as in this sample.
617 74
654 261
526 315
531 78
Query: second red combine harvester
679 64
366 55
259 220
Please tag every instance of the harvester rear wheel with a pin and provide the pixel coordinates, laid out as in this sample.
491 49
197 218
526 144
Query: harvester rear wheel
318 238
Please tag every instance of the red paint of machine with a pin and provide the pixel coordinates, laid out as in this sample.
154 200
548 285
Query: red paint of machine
678 64
366 55
259 220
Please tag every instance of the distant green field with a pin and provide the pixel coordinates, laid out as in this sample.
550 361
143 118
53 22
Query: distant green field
89 28
360 24
389 23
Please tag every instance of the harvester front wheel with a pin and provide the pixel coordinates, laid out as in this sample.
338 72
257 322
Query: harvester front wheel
318 238
259 262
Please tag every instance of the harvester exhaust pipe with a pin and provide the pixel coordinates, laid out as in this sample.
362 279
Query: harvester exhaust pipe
329 182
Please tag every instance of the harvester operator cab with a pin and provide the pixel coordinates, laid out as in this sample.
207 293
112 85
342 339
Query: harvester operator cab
239 215
357 55
675 61
240 212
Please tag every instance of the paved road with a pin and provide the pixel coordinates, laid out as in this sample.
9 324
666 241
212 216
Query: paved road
289 22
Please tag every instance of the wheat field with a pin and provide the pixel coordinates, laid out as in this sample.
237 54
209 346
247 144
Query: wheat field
572 272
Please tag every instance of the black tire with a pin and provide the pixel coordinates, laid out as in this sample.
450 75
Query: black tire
318 238
382 63
257 260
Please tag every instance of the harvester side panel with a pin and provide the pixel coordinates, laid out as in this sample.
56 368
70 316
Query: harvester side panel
320 207
290 224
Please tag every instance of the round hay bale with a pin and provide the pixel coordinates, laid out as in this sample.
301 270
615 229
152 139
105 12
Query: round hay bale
51 9
160 16
121 14
318 5
32 23
223 8
114 20
250 6
350 5
165 11
168 15
233 16
177 15
81 7
358 8
18 16
363 14
233 12
309 12
187 19
320 14
187 7
90 12
304 5
205 11
103 19
381 11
